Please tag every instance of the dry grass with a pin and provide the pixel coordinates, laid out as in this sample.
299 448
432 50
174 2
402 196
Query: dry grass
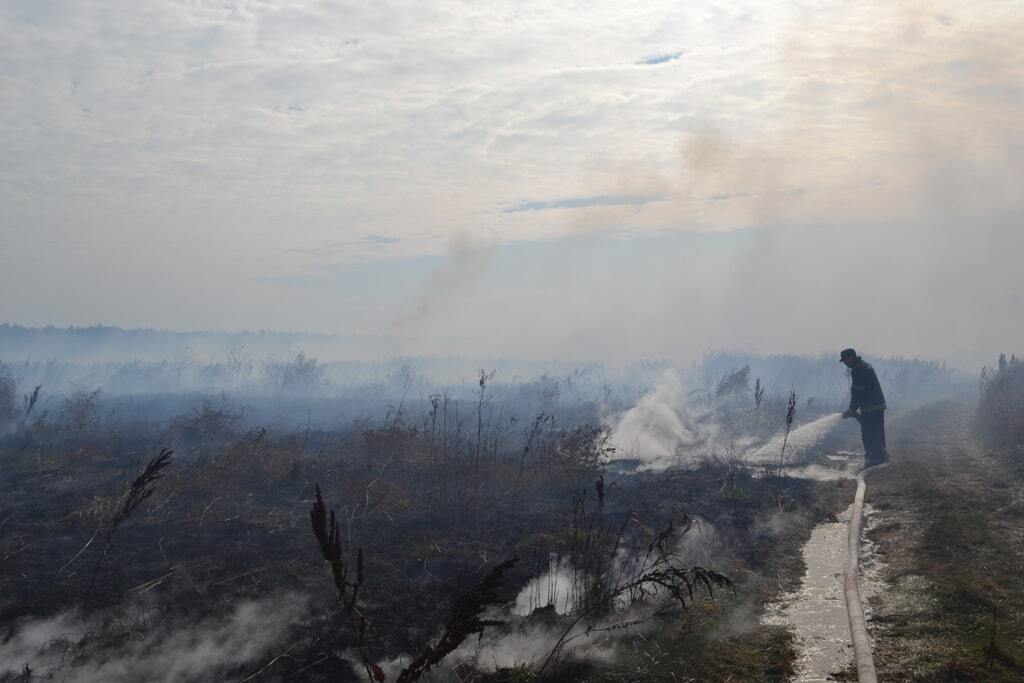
141 488
952 544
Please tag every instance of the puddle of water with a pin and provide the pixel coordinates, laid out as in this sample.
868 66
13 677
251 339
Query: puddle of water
816 613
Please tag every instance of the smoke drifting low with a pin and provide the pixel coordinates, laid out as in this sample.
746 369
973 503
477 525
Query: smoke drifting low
668 428
194 652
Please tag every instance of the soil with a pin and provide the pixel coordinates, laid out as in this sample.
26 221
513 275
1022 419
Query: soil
950 534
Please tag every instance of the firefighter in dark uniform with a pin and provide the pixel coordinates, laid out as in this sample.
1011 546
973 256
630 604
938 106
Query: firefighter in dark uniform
866 396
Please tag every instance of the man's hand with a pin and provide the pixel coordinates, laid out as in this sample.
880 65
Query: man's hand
849 413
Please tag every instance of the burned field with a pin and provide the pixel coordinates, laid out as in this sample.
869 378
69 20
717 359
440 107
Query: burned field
451 541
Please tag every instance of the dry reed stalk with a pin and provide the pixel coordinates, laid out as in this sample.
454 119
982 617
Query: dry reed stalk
790 414
328 535
141 489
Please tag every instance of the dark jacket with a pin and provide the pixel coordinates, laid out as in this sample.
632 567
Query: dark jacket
865 391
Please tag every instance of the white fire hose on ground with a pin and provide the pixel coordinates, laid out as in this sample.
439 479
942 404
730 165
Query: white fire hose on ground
862 654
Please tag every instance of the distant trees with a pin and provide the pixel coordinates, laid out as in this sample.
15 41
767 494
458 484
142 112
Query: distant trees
8 395
1000 418
736 382
300 374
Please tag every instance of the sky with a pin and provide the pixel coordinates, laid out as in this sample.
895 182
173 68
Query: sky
599 180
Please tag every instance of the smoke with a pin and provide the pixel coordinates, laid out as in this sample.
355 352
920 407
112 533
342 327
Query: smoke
192 652
464 263
529 636
853 167
868 199
30 641
554 587
661 427
529 640
664 430
884 195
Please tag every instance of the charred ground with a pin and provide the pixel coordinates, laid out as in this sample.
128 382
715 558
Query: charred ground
432 503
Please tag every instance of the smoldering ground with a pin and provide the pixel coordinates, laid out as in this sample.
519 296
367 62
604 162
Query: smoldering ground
430 493
76 648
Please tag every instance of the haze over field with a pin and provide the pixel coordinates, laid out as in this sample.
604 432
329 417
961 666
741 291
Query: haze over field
492 341
573 181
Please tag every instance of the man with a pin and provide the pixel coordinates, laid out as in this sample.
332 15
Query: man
866 396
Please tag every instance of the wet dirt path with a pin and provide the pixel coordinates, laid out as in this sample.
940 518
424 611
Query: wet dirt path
816 613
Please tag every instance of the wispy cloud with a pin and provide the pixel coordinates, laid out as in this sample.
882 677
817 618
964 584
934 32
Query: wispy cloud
651 60
583 202
726 196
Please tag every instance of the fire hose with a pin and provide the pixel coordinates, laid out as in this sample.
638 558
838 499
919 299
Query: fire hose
862 654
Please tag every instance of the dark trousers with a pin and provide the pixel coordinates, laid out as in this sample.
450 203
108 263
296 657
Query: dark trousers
872 431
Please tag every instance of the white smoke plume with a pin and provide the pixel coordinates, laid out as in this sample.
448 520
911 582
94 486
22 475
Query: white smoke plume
59 646
554 587
661 428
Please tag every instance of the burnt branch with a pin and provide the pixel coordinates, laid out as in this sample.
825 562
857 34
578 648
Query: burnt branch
465 621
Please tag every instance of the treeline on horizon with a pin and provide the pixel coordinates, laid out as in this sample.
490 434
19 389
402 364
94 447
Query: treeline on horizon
106 342
127 360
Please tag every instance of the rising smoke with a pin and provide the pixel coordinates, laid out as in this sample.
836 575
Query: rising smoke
872 205
664 430
166 654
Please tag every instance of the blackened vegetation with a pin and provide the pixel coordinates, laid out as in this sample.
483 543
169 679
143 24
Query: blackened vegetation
612 572
660 569
612 566
329 537
141 488
428 504
465 621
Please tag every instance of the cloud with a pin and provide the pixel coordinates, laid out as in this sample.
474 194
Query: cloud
659 59
220 153
582 202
